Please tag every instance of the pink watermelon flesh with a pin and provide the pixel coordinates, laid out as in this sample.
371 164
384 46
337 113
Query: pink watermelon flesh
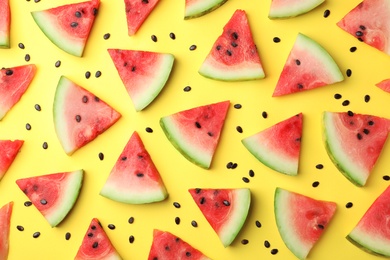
372 233
134 178
368 22
384 85
197 8
166 246
301 220
308 66
278 146
144 74
225 209
234 55
280 9
96 244
354 142
5 18
54 195
136 13
68 26
5 221
13 84
79 115
195 132
8 152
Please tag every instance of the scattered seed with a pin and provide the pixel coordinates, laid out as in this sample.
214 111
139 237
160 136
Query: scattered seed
345 102
131 220
36 234
244 241
326 13
245 179
349 205
352 49
251 173
149 130
274 251
106 36
172 36
20 228
276 39
57 64
315 184
27 203
37 1
367 98
177 220
95 245
239 129
187 88
234 166
67 236
87 75
154 38
258 224
45 145
27 57
98 74
21 45
176 204
111 226
264 114
319 166
37 107
267 244
101 156
386 177
131 239
194 223
349 72
192 47
28 126
229 165
237 106
337 96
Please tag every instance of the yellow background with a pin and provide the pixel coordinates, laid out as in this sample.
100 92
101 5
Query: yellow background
367 65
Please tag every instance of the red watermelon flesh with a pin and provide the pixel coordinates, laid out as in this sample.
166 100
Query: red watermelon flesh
278 146
301 220
8 152
68 26
372 232
195 132
136 13
54 195
225 209
308 66
166 246
79 115
384 85
5 18
5 220
134 178
369 23
234 55
354 142
13 84
143 73
96 244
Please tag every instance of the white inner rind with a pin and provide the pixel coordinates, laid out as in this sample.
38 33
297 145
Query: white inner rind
375 244
285 9
198 8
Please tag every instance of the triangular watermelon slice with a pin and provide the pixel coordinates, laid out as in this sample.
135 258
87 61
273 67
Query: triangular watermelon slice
372 233
136 13
143 73
225 209
308 66
195 132
368 22
278 146
79 115
234 55
5 221
290 8
384 85
301 220
68 26
166 246
5 21
54 195
8 152
134 178
13 84
96 244
354 142
197 8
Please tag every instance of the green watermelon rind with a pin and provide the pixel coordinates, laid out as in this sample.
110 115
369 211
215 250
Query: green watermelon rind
111 192
202 8
294 9
362 241
333 147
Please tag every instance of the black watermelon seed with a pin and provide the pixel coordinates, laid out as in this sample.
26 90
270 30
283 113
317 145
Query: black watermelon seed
57 64
298 62
274 251
77 14
244 241
350 113
229 53
74 24
21 45
85 99
352 49
237 106
229 165
45 145
194 223
370 122
359 136
67 236
131 220
362 27
154 38
78 118
98 74
315 184
245 179
264 114
366 131
187 88
9 72
111 226
300 86
234 44
267 244
251 173
177 220
149 130
27 203
320 226
234 166
192 47
176 204
20 228
140 174
258 224
188 254
197 125
226 203
202 200
90 234
239 129
87 75
37 1
319 166
345 102
198 190
101 156
95 245
131 239
172 36
359 33
367 98
349 205
349 72
36 234
28 126
276 39
337 96
235 35
43 201
27 57
97 99
106 36
326 13
95 11
386 177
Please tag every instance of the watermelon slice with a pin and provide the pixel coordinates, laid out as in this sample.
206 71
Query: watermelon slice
301 220
166 246
369 23
291 8
197 8
134 178
8 152
195 132
143 73
278 146
354 142
5 221
225 209
96 244
13 84
234 55
372 233
384 85
136 13
54 195
75 114
308 66
5 18
68 26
